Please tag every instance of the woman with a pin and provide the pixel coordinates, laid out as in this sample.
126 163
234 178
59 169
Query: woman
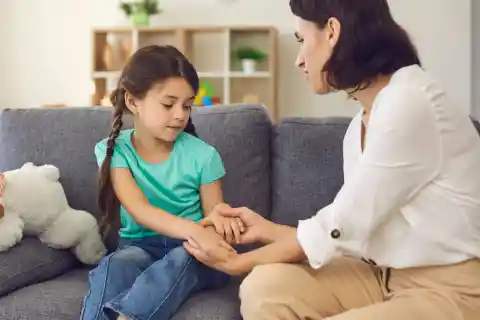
401 240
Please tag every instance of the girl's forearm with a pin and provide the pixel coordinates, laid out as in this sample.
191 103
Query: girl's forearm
165 223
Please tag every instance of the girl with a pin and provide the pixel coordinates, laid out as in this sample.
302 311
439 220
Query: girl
162 178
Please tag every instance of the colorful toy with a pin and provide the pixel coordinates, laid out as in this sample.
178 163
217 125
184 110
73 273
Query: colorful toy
206 95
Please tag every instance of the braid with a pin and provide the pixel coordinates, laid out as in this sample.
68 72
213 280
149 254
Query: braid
116 127
107 200
190 127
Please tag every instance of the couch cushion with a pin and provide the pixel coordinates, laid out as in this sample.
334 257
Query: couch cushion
62 299
66 138
30 262
241 134
57 299
307 166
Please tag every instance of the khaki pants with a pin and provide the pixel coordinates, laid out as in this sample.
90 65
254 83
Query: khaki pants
348 289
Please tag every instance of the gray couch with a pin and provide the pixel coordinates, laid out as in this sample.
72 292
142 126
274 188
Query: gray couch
285 172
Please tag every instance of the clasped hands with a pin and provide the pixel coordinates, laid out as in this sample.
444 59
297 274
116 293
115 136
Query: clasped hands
222 228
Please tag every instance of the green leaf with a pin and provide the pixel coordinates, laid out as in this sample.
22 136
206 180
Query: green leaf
249 53
150 7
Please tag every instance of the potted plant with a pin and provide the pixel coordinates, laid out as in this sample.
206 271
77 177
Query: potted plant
139 11
249 56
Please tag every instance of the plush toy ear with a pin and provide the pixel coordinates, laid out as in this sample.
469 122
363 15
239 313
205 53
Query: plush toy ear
2 183
28 165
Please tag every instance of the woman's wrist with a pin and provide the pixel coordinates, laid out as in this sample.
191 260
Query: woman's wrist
243 263
274 232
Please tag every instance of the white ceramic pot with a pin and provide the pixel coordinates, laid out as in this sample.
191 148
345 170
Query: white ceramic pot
248 66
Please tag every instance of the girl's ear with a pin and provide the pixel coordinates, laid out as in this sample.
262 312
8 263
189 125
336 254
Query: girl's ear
130 102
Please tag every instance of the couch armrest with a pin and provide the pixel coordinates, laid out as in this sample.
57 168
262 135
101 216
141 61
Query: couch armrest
31 262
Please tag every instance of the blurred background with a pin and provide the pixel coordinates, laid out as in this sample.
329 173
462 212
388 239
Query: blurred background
68 52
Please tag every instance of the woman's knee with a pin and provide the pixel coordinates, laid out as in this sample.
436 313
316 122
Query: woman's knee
266 280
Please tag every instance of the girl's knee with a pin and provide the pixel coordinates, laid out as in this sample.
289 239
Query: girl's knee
127 259
180 256
131 256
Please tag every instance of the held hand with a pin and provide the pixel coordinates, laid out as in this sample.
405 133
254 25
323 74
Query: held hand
230 228
208 240
257 228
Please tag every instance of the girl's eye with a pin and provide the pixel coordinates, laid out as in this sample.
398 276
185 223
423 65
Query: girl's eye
187 107
168 106
300 40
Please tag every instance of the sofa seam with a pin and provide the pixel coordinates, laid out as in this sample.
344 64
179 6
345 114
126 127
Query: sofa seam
23 272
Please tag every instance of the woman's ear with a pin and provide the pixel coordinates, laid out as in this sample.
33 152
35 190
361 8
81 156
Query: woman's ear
131 102
333 28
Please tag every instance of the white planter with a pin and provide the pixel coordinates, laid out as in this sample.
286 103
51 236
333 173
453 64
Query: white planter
248 66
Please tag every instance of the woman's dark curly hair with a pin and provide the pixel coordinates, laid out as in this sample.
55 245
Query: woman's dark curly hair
370 44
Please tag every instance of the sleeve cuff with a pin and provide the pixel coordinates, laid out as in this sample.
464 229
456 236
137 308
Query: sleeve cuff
315 241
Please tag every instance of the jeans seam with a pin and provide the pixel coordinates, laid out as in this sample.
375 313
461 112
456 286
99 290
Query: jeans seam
100 305
173 288
82 313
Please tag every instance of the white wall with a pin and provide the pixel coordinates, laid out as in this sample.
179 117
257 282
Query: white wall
475 16
46 54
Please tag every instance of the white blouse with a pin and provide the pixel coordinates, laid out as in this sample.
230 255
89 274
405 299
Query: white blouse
412 197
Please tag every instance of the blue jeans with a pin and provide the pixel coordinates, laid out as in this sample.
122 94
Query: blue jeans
146 279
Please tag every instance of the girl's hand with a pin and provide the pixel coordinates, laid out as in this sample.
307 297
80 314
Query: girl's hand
230 228
208 240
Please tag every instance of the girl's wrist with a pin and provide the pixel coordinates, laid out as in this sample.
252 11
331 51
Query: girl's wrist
191 229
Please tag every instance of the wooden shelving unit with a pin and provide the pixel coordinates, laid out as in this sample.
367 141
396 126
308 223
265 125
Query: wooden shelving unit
208 48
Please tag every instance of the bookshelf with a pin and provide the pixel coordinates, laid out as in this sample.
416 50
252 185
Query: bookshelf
210 49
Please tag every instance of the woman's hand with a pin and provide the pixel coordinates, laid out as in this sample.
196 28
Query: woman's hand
230 228
220 259
257 228
208 240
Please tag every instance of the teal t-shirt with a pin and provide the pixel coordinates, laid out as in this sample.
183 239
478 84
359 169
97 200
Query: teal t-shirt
172 185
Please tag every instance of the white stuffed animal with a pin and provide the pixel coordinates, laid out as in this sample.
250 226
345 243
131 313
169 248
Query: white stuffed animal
34 204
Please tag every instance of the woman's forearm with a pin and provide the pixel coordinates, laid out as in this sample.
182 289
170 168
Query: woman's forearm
276 233
285 249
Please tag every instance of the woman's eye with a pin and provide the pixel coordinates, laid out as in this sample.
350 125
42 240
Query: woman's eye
168 106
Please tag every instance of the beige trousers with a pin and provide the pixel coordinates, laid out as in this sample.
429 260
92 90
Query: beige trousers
348 289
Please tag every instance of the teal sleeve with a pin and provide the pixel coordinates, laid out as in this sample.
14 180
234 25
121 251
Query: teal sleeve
118 158
213 168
